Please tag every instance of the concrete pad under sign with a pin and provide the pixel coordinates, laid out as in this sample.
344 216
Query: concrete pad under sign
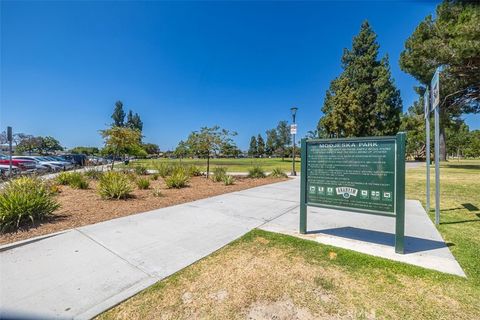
374 235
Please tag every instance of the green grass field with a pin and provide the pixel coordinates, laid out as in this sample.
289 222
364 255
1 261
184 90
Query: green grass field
232 165
271 274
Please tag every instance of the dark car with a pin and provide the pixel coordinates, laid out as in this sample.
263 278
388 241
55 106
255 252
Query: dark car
78 159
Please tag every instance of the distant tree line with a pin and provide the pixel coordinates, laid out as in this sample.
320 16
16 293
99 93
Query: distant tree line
277 143
30 144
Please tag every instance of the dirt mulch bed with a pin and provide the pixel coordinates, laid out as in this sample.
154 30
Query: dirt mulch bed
84 207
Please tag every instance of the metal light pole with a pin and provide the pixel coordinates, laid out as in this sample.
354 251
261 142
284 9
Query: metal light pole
293 130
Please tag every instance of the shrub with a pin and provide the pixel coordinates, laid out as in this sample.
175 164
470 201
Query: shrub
155 176
114 185
25 199
77 181
157 192
179 179
218 174
256 172
63 178
228 180
278 173
73 179
93 174
163 169
194 171
140 170
142 183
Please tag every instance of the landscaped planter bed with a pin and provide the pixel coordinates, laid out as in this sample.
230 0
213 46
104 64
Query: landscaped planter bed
84 207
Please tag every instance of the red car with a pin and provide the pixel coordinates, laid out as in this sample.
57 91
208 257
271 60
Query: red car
24 165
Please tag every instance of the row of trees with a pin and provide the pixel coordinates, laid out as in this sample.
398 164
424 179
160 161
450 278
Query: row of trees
363 99
27 143
277 143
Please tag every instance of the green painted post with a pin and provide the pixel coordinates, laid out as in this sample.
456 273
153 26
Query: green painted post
400 195
303 187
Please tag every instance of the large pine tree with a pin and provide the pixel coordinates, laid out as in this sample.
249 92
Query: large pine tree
363 100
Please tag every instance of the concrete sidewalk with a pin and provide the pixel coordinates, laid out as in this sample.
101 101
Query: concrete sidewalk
81 272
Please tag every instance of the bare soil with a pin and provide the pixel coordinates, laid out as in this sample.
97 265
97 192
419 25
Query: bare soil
84 207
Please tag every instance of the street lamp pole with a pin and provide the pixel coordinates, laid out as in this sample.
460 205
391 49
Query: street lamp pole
293 130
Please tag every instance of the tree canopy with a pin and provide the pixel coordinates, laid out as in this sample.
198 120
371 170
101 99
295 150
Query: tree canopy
363 100
450 40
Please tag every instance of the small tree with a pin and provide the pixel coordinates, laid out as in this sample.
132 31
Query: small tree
260 145
252 150
49 144
151 148
208 141
122 141
134 121
29 144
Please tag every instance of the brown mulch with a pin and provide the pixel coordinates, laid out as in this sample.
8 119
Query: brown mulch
83 207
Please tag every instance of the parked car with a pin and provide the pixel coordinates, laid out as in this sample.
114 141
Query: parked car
4 171
41 165
23 164
79 160
65 164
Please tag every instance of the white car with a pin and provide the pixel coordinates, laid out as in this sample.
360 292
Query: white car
66 165
42 164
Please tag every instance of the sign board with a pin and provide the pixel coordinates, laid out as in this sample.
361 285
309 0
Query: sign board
435 85
365 175
293 129
426 104
9 134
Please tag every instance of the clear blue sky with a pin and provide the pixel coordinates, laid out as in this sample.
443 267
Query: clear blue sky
181 66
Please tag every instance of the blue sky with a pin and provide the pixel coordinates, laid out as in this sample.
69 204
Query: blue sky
183 65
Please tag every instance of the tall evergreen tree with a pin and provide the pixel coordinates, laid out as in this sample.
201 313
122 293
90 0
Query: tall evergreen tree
272 142
134 121
118 115
363 100
252 150
284 138
260 145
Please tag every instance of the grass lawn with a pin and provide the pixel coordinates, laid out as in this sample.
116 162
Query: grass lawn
271 276
232 165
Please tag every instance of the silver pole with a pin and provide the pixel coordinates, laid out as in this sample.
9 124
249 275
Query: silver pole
437 165
427 133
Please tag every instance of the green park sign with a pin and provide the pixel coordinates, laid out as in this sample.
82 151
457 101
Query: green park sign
365 175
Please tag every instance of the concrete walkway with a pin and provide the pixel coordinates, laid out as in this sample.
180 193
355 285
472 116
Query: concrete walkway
81 272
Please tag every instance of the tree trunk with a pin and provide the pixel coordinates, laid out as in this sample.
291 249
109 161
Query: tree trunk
208 164
443 146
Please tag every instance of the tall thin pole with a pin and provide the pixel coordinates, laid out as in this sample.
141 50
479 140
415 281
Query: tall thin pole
427 138
294 173
437 165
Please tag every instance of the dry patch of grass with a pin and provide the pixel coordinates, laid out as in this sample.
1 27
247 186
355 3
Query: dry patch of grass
270 276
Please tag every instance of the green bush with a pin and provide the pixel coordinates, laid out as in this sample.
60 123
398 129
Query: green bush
63 178
218 174
256 172
178 179
93 174
75 180
278 173
78 181
163 169
114 185
143 183
194 171
155 176
25 199
140 170
228 180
